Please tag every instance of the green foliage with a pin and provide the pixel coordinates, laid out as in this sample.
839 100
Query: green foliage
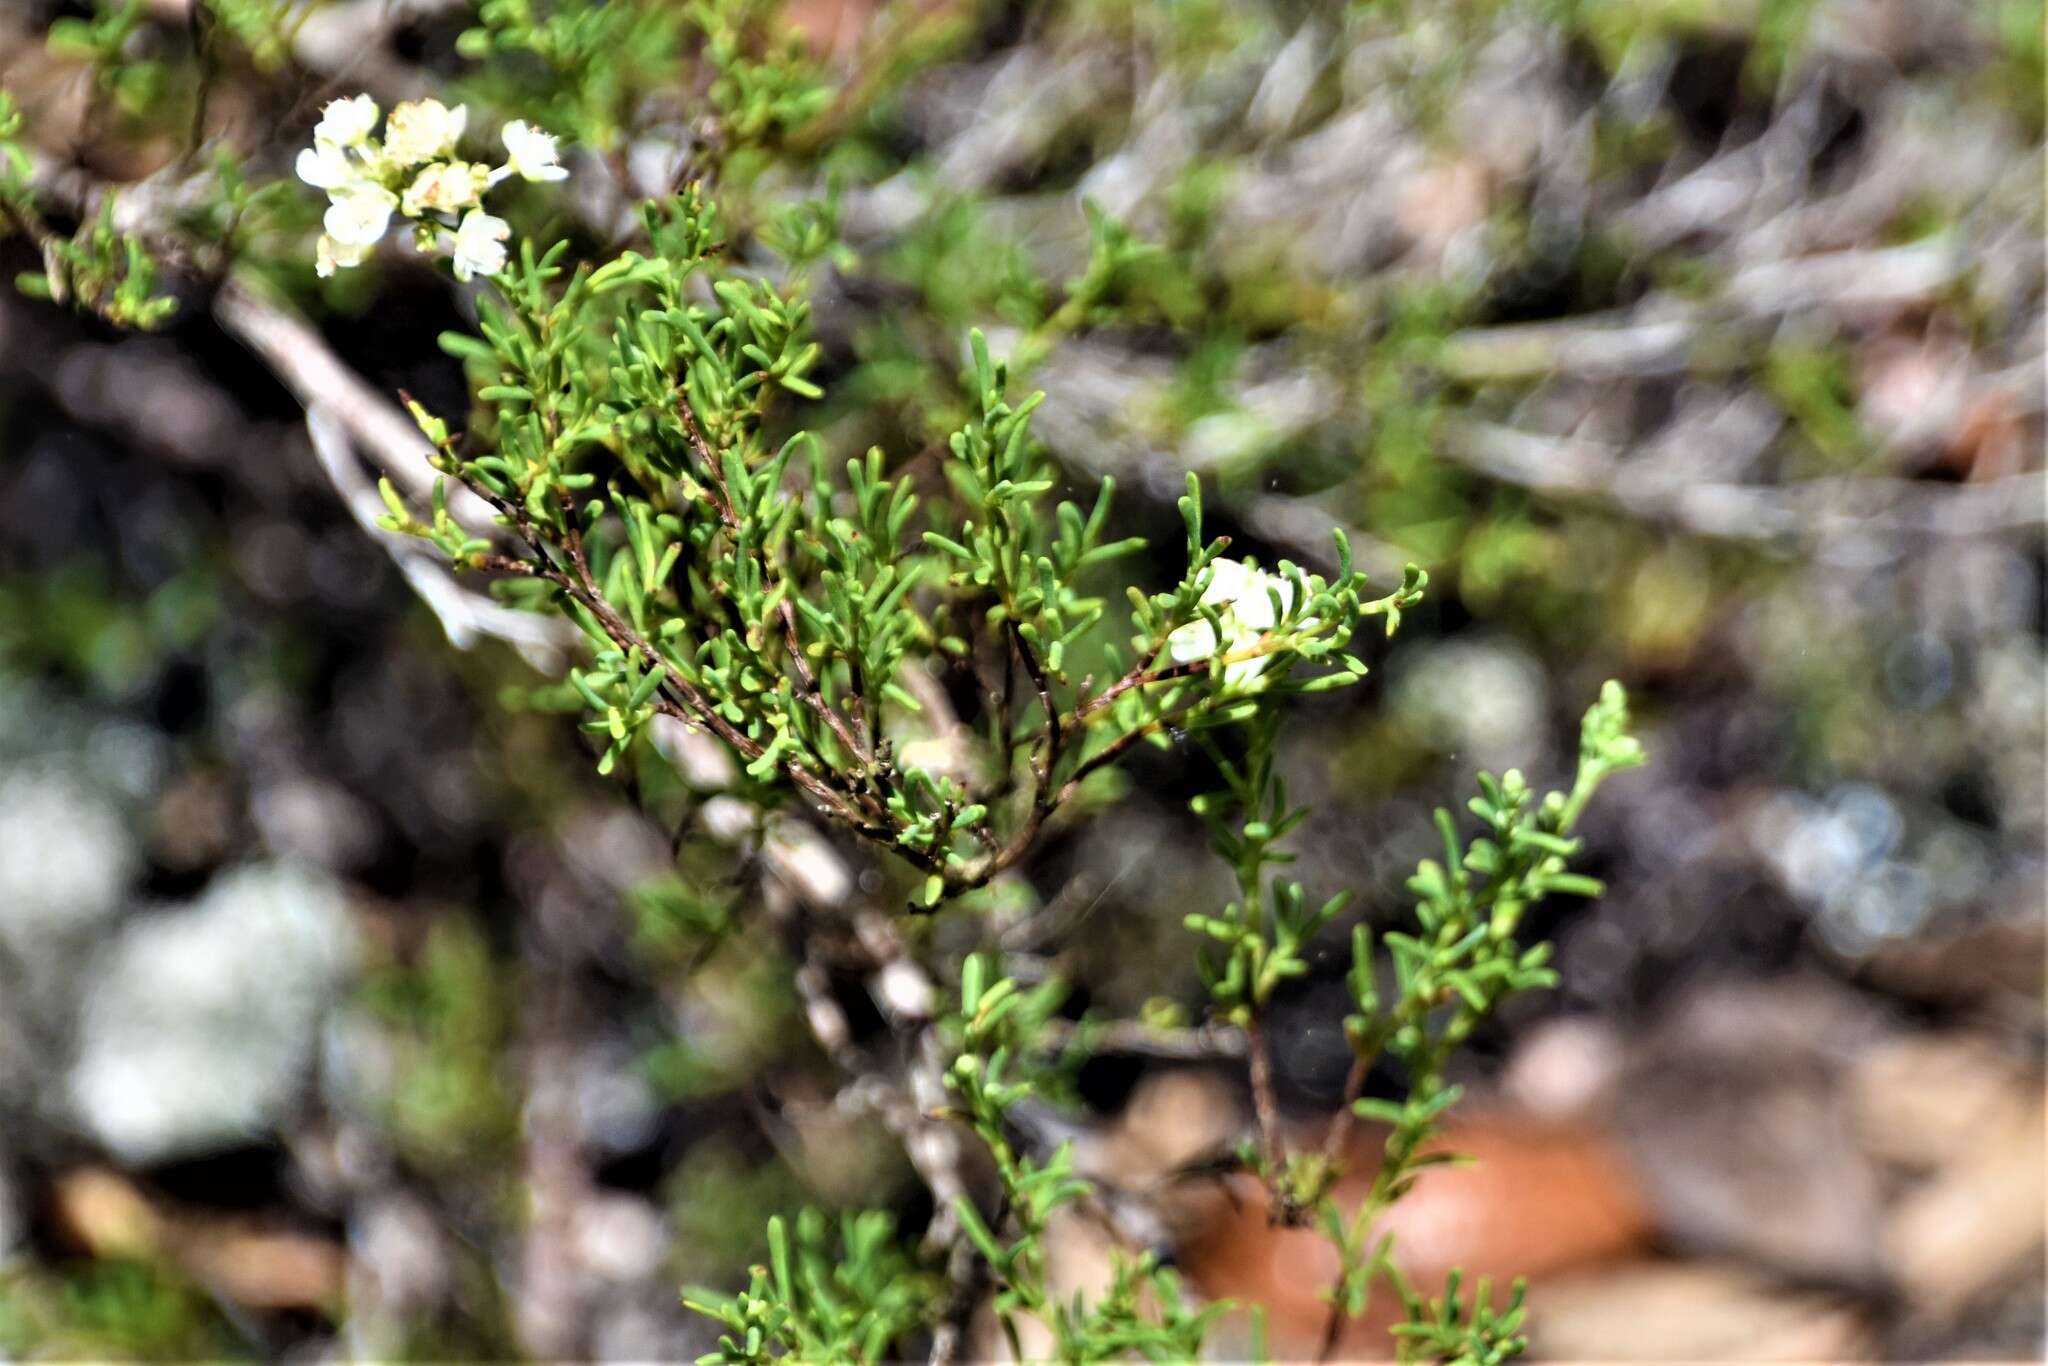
1448 1329
72 621
589 71
675 922
1144 1311
717 1203
145 71
637 445
1461 962
2020 29
734 582
106 271
1127 280
577 69
963 269
110 1309
1263 934
263 28
743 1020
1814 385
763 87
643 437
103 41
14 163
97 268
855 1299
445 1013
97 39
261 224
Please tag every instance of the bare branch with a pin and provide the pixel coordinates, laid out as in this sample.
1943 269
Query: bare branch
299 356
1803 512
467 617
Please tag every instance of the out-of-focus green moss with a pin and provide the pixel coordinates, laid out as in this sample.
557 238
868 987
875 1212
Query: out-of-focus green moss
111 1310
447 1015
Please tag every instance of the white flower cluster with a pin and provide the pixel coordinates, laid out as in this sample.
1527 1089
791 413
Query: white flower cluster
1243 596
415 172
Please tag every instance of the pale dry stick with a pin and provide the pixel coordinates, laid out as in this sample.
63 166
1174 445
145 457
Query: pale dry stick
910 1109
296 353
1805 511
913 1107
544 641
935 1149
1663 335
1877 279
1645 342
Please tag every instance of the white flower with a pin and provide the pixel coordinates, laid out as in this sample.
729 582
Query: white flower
423 130
480 244
346 123
1242 595
359 214
326 166
530 154
332 254
446 186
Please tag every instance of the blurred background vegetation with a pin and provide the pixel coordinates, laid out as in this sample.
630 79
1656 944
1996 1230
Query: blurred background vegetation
1697 343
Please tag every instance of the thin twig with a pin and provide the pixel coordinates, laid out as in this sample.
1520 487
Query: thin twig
1265 1105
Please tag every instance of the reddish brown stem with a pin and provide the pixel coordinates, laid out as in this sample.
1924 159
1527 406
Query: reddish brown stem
1340 1123
1266 1111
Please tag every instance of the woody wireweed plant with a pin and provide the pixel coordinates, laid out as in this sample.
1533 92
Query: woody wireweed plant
750 591
636 462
